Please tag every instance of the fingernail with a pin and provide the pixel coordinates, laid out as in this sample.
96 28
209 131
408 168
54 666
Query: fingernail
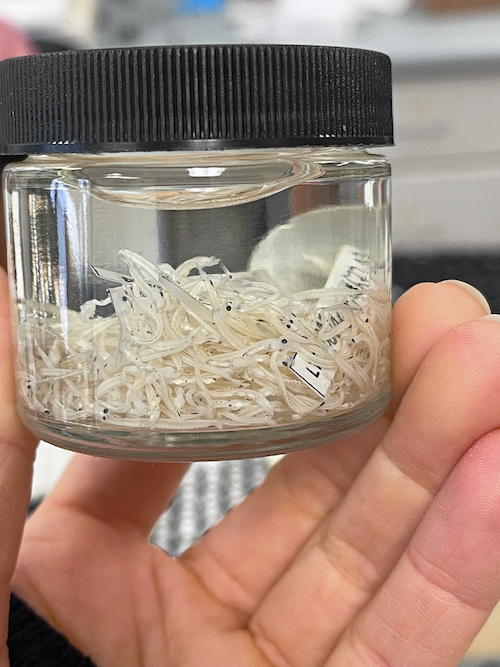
480 298
493 318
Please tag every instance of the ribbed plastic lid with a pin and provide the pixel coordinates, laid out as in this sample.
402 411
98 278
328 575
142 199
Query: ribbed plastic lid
194 98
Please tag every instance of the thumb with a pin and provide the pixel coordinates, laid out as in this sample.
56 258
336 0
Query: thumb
17 453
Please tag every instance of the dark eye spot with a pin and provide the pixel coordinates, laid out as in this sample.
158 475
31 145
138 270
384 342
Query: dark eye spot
284 341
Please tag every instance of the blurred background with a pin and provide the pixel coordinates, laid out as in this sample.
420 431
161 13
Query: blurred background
446 187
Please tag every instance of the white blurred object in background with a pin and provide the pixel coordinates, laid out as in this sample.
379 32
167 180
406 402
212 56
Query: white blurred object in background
320 22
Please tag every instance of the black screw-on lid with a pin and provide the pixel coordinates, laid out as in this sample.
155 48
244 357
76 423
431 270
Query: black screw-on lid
194 98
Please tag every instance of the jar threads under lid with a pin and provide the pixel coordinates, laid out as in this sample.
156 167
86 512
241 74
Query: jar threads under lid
194 98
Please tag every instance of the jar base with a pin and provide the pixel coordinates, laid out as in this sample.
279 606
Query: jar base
173 446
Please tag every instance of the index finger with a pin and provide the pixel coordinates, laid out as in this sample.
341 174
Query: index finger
420 317
17 453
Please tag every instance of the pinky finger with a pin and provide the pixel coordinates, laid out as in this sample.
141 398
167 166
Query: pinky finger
447 582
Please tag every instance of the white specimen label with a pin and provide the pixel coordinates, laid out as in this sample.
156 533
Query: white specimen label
316 377
111 276
120 301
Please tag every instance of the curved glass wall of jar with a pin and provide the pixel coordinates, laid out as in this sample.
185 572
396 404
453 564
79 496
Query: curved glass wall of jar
200 305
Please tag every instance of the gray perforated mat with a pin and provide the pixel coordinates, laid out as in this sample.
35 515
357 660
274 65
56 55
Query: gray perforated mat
206 494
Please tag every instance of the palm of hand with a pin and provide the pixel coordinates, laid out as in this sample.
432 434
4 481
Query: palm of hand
124 602
361 553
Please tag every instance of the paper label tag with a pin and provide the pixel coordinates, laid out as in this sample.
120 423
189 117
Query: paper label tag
120 301
111 276
314 376
352 269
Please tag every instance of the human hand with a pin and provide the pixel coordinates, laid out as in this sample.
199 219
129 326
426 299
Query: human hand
381 550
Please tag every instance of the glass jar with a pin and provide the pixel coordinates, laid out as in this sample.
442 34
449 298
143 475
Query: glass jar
199 247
